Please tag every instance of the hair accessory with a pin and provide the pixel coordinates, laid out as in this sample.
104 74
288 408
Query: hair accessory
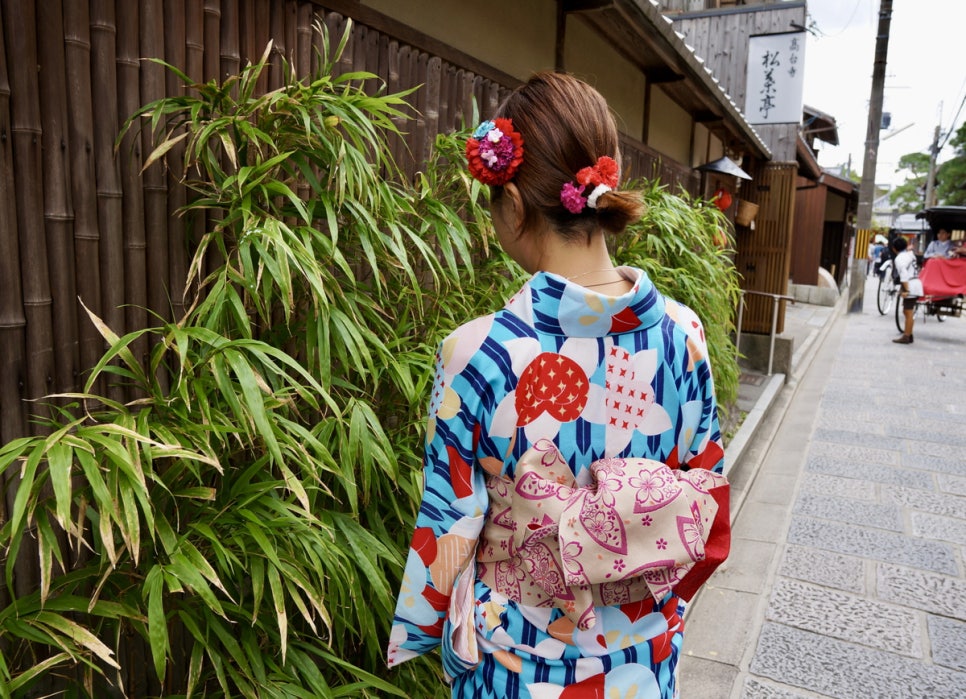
603 176
494 152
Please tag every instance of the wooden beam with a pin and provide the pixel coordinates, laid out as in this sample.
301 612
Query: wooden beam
583 5
707 117
662 75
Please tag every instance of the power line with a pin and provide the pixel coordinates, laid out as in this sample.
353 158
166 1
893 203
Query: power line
952 124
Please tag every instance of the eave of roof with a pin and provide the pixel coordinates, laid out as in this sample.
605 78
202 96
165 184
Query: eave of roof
823 126
807 161
647 38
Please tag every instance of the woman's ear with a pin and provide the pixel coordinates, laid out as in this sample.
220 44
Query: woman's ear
514 207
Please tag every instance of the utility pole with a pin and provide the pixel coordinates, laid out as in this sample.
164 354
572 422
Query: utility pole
931 177
867 186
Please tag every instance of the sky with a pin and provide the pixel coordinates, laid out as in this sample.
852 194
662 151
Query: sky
925 77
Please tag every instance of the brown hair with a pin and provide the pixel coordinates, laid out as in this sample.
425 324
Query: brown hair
566 125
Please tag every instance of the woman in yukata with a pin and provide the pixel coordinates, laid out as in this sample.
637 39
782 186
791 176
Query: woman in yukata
572 490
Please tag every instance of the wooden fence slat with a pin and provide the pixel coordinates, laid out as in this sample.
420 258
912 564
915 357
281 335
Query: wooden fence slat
77 49
130 160
212 40
12 321
194 40
431 88
230 38
27 135
174 54
291 29
305 40
106 169
418 135
154 180
25 132
280 47
58 212
262 11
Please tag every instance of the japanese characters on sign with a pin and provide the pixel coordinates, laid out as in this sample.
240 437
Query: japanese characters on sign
775 78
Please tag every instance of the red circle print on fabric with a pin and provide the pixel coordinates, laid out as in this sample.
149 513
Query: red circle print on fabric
554 384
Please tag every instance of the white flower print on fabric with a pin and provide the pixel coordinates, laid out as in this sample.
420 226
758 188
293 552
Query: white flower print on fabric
627 398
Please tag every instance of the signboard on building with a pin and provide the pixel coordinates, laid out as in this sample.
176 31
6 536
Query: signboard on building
776 72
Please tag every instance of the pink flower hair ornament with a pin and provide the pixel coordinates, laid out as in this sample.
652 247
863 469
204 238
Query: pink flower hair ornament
494 152
603 175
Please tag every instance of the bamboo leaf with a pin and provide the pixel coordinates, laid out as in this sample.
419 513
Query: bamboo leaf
160 151
26 678
59 460
278 598
181 568
77 634
158 638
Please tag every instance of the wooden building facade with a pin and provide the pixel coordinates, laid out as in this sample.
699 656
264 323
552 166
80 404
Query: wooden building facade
720 35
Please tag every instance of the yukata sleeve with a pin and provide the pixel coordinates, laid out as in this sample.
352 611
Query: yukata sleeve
705 451
704 448
449 521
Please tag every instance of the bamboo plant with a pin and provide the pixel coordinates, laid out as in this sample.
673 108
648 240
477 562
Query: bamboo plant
242 522
685 245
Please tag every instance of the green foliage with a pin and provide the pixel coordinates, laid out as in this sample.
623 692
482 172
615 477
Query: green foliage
951 176
239 529
685 247
243 521
909 195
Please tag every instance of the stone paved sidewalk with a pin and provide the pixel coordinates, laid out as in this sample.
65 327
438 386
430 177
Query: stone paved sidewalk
847 574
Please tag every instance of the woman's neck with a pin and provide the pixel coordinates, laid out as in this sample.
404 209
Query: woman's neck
588 265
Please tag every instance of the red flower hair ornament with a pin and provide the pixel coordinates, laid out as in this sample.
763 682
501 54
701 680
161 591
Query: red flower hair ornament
603 176
494 152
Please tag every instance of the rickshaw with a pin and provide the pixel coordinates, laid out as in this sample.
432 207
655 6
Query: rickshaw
943 279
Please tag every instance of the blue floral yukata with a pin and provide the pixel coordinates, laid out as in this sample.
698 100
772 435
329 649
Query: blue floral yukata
572 496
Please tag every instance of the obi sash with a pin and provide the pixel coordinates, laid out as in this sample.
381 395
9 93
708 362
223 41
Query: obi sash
635 528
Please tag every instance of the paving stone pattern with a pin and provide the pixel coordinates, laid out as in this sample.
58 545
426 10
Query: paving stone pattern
869 599
865 593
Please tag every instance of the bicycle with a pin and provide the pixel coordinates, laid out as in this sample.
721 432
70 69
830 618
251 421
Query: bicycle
888 289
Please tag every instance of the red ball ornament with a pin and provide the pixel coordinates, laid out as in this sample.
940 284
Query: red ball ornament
722 199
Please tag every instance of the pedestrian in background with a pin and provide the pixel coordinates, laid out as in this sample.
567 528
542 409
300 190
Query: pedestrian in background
908 273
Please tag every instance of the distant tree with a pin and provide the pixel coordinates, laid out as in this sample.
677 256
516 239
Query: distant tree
951 176
908 196
845 170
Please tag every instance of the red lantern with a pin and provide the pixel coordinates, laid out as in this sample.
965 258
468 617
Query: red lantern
722 199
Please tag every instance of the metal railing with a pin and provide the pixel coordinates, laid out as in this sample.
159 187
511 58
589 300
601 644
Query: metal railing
774 321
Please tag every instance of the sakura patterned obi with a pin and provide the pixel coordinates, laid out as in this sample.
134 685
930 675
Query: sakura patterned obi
633 529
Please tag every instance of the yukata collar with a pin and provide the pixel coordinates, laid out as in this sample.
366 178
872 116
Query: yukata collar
558 306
